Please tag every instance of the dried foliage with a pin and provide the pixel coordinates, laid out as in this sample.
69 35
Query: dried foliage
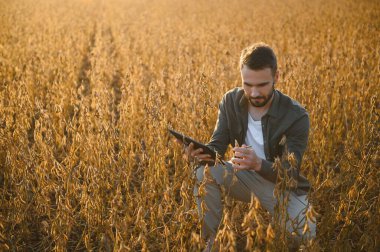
87 89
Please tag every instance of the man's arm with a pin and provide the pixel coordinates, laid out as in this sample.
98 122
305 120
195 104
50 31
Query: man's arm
296 142
220 138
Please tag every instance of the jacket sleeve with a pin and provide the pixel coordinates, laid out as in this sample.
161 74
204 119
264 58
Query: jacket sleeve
296 143
220 138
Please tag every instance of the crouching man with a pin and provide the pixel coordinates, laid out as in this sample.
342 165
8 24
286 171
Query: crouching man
257 116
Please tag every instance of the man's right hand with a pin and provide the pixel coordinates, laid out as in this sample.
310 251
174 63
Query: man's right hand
194 156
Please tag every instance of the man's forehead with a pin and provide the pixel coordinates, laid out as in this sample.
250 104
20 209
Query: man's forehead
245 68
260 74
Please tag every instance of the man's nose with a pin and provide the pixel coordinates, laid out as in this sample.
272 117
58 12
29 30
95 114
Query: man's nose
254 92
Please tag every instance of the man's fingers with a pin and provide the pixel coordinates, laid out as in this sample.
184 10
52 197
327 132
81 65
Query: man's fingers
195 155
209 160
196 152
242 150
190 148
240 164
240 167
239 161
239 155
178 141
203 156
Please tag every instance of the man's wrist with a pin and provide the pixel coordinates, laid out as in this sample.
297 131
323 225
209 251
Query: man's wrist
257 165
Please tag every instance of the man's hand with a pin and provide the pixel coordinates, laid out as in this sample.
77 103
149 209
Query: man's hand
194 156
245 158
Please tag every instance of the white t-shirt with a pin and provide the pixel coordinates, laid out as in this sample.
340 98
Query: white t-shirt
254 137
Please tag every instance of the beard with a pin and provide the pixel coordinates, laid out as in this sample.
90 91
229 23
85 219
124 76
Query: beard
260 101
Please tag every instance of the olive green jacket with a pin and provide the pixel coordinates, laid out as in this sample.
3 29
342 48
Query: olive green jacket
285 117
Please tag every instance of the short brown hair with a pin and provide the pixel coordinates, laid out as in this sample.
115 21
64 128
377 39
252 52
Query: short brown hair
259 56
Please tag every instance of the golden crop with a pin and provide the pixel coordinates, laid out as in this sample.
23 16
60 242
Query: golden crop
88 88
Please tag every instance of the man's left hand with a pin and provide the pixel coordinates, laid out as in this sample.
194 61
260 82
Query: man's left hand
245 158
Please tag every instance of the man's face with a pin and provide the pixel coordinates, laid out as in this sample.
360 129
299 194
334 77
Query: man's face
258 85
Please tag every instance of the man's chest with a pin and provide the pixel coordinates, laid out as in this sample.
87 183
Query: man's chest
265 133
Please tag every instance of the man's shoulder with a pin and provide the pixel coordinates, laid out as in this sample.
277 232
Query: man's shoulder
290 104
233 95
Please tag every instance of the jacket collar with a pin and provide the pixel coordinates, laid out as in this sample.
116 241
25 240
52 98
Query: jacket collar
243 102
274 107
273 110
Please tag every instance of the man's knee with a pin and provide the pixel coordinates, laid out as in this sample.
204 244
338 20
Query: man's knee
215 174
301 225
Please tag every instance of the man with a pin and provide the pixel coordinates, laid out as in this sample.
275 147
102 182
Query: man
256 116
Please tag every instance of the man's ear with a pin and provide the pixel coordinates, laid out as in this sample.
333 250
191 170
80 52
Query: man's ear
276 77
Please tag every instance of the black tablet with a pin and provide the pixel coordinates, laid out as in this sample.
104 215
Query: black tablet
187 140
